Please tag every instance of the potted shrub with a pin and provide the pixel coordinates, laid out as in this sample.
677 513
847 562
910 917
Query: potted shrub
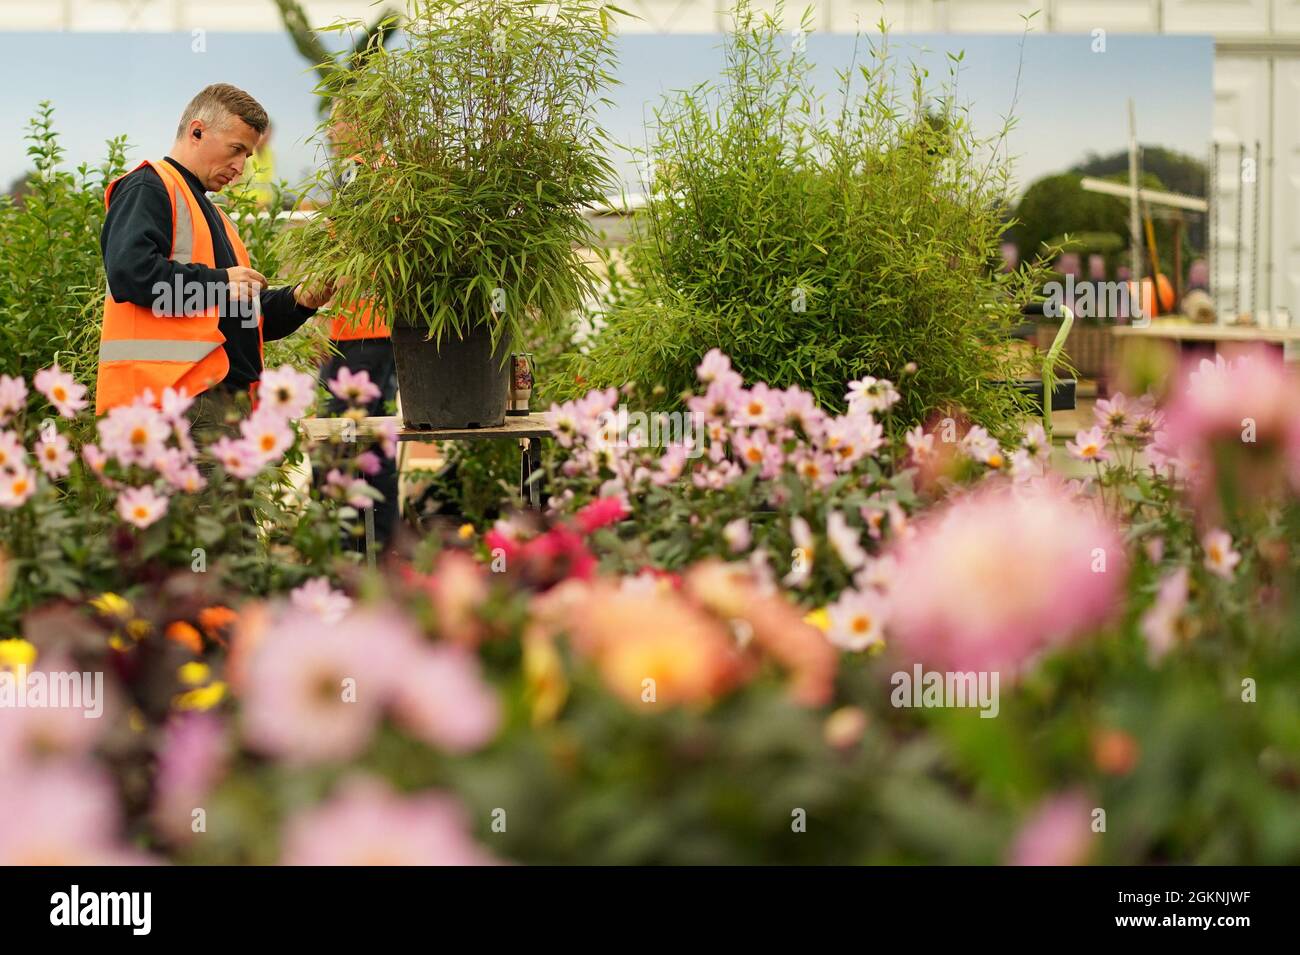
471 147
818 238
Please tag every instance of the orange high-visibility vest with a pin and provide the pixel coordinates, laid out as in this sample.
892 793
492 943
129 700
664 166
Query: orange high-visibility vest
360 321
139 350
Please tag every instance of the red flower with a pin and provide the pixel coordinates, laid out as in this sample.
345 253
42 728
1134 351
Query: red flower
601 513
559 554
508 546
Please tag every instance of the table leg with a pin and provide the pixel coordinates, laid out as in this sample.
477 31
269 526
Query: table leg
530 463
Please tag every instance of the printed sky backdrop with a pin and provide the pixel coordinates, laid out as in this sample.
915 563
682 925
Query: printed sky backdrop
1072 101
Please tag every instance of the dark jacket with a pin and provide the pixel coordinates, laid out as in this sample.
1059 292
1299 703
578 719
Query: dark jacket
136 242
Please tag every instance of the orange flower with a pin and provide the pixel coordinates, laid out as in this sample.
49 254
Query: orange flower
1114 752
179 631
216 622
458 586
778 626
249 628
653 649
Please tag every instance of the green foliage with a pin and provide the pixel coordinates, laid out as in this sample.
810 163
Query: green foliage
1058 206
478 148
51 271
816 245
1101 243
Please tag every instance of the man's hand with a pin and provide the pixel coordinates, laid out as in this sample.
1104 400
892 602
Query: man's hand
245 284
313 296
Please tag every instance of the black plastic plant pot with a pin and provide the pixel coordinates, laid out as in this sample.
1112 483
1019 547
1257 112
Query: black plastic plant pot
1063 396
460 383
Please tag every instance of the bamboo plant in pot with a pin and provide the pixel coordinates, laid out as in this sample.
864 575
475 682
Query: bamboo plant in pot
464 157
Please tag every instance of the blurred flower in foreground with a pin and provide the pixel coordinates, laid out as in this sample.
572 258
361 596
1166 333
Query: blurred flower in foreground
546 684
1058 833
857 620
1220 558
653 650
777 625
191 760
999 575
1114 752
845 727
441 698
366 823
216 622
1160 624
16 652
37 733
317 597
60 813
457 585
1234 422
313 693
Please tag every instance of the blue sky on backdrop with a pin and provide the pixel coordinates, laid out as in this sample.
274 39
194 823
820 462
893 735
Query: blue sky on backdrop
1072 100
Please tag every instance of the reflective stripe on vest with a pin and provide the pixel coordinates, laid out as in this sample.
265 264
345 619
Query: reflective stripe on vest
141 350
154 349
183 242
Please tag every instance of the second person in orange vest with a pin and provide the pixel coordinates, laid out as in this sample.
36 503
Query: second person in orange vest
362 339
185 308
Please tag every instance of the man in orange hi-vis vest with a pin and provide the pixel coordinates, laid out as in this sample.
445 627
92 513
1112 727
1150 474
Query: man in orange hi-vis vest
185 309
361 337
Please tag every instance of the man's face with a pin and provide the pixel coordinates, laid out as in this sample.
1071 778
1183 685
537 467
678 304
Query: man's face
219 154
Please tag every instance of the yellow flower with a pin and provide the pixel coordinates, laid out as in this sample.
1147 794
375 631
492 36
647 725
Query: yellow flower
111 605
138 629
116 642
465 531
204 698
135 720
547 687
818 618
194 674
16 652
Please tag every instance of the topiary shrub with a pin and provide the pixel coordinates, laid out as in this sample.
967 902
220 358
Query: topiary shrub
818 245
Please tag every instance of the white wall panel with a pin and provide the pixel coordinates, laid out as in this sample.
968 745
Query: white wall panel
1286 186
1241 117
905 16
995 16
1118 16
1286 17
1220 17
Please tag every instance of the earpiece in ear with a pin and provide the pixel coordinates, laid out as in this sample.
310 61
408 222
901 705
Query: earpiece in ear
198 134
